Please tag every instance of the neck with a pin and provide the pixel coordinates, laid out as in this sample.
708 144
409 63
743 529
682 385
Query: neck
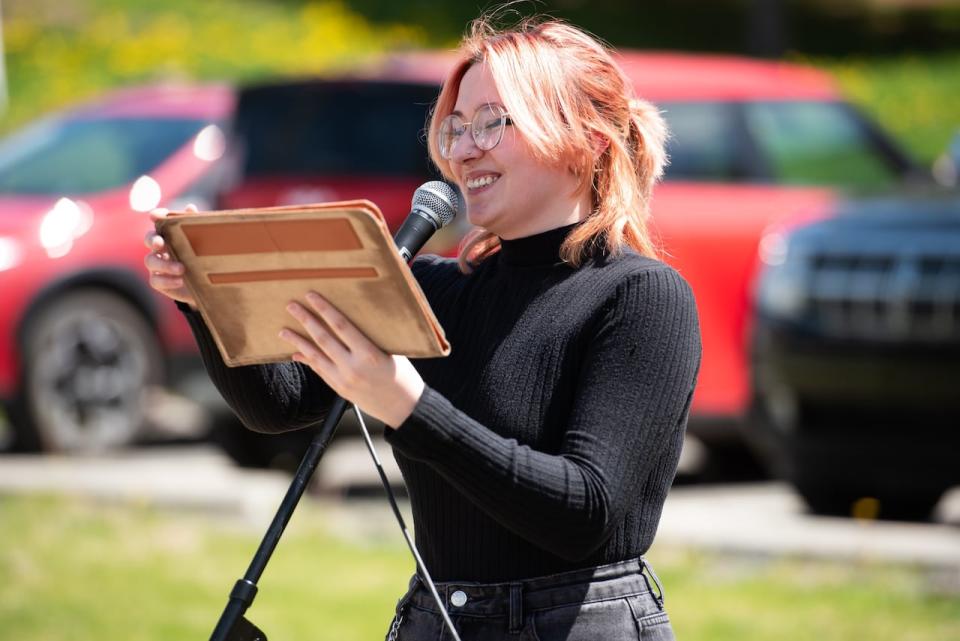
535 250
570 213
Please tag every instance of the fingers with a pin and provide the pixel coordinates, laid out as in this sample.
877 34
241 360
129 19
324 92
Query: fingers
162 212
166 274
317 330
158 263
332 347
308 351
154 241
159 213
328 332
159 259
336 350
341 326
161 283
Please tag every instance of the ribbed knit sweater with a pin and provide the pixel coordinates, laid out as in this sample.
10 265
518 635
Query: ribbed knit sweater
548 439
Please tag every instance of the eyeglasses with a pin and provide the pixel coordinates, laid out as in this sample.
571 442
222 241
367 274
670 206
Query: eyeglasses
486 128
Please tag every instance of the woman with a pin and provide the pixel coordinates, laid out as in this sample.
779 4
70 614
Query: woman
539 453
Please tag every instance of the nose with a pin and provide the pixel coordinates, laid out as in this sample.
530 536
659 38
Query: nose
464 148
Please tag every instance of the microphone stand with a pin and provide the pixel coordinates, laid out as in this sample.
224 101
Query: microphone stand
232 625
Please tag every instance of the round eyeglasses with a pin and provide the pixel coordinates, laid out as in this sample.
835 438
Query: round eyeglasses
486 128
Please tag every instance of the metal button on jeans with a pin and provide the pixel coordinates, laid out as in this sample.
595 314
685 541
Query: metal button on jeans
458 598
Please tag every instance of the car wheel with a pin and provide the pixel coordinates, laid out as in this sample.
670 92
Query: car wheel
845 474
835 474
90 358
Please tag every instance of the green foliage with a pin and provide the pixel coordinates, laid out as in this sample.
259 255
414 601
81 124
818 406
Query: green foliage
59 53
74 570
59 56
914 97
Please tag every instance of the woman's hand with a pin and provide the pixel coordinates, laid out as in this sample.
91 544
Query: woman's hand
384 386
166 274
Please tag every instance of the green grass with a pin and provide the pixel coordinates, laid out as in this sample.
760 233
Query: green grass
726 599
74 570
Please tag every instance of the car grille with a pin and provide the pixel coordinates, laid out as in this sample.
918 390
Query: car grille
882 296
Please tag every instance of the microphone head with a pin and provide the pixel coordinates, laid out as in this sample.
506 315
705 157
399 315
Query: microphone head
439 201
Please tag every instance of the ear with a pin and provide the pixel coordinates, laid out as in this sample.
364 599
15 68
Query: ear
599 142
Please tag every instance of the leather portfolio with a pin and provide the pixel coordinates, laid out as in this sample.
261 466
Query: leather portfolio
245 265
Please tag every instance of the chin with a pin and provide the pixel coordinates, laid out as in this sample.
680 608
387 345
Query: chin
480 218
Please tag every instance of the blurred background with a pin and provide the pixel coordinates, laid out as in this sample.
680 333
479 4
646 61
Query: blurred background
811 202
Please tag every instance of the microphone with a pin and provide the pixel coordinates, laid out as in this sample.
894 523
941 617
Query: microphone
435 204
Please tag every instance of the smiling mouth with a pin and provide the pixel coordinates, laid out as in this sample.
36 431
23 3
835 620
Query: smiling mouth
482 181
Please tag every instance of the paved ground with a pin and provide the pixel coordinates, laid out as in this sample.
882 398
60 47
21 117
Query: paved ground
755 519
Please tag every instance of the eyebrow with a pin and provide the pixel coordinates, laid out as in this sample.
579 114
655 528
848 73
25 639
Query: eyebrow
457 112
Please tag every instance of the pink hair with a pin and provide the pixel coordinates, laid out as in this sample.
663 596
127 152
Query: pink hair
567 98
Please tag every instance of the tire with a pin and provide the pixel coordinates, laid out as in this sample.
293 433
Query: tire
89 360
847 474
837 500
848 460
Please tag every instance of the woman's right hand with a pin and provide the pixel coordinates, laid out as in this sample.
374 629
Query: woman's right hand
166 274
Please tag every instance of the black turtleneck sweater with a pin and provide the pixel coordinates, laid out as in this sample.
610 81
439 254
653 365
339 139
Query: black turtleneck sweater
548 439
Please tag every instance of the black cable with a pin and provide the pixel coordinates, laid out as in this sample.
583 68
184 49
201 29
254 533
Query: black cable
403 526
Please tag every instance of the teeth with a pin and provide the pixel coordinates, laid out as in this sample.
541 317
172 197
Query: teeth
483 181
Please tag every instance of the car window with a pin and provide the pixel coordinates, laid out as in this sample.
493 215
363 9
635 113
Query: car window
76 156
818 143
703 143
335 128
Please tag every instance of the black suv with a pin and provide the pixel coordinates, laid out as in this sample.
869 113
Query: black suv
857 357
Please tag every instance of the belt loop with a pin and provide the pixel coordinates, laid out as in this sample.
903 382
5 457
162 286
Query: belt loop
656 579
401 606
402 603
516 608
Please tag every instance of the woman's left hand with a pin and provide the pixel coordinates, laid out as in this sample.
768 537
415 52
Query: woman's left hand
384 386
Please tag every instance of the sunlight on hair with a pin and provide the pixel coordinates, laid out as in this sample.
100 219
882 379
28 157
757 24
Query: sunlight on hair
564 91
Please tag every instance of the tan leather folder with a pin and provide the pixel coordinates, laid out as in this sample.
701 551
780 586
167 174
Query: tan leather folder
245 265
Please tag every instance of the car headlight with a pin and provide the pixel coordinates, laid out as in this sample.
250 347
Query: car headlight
145 194
11 253
210 143
773 249
67 221
781 293
781 290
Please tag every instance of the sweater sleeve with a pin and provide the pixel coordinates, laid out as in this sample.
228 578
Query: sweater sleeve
276 397
633 395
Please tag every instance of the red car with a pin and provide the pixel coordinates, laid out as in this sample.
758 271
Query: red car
753 143
85 347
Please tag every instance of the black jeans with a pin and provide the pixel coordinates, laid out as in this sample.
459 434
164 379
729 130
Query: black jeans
607 603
